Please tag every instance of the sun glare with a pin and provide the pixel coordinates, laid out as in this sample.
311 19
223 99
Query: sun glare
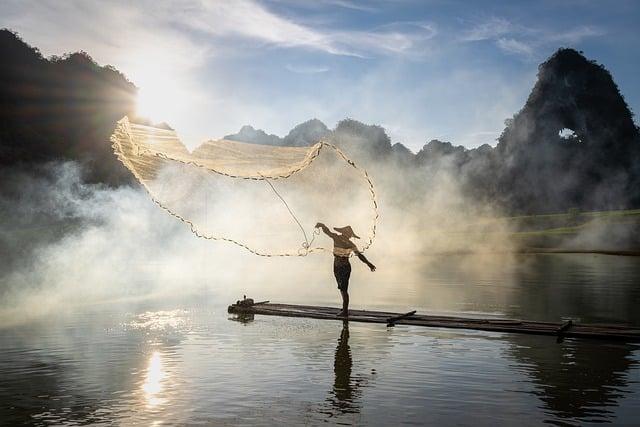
162 89
152 385
160 100
151 104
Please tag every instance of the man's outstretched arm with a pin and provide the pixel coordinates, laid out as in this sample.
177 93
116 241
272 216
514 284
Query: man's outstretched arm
326 230
364 259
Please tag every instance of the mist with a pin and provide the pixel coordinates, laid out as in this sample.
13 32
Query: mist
71 243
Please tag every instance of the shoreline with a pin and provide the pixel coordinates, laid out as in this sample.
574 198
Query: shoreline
579 251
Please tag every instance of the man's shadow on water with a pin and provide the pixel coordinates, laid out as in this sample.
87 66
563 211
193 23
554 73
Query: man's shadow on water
347 388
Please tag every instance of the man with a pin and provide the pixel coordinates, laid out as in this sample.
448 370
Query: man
342 249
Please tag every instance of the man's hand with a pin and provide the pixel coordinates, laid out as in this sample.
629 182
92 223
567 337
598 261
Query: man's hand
319 225
372 267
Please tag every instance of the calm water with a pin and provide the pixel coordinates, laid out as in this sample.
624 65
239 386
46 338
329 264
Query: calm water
186 361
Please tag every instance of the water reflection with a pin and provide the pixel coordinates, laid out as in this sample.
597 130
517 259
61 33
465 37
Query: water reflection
153 383
346 387
550 287
578 379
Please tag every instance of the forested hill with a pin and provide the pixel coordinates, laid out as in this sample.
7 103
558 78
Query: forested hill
573 145
62 108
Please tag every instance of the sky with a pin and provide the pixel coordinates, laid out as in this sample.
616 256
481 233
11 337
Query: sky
448 70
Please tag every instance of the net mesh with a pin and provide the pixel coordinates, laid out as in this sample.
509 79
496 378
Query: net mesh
265 199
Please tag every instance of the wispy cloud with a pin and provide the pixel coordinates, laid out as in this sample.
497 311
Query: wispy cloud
491 29
575 35
524 40
354 5
252 20
394 38
306 69
514 46
220 21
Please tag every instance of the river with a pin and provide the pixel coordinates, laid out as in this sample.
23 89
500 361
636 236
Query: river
181 359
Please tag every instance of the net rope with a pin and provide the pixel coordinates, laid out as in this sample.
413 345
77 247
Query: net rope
145 150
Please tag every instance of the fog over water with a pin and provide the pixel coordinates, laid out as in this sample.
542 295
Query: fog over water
69 242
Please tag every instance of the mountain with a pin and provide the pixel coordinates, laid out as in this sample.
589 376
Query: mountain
255 136
60 108
362 140
304 134
307 133
574 144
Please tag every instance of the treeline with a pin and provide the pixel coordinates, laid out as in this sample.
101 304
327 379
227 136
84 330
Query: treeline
62 108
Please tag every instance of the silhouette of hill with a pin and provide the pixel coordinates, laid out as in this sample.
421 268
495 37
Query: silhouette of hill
255 136
304 134
593 164
60 108
307 133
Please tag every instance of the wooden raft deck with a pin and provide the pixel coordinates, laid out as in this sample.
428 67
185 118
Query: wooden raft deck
558 329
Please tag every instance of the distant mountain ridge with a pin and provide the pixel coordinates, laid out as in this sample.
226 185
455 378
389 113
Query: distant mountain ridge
535 167
304 134
255 136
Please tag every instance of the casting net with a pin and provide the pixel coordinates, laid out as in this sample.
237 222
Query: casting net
265 199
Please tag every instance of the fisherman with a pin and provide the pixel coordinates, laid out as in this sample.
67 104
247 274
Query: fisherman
342 249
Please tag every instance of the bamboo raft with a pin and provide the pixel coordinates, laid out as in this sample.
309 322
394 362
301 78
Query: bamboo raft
560 330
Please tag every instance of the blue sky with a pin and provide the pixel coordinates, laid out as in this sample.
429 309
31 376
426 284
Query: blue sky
450 70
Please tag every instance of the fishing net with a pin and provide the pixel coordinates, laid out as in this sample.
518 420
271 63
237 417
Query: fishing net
265 199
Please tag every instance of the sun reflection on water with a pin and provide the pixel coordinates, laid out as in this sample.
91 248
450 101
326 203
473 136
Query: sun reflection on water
153 384
160 320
